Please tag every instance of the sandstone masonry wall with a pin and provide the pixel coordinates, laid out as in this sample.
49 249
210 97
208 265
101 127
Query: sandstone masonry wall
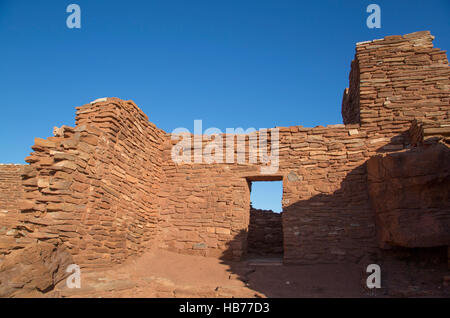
57 184
350 101
108 187
10 195
128 170
410 196
401 78
94 185
326 217
265 232
429 131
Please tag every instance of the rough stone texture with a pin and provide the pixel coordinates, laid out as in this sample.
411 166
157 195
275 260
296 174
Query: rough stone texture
108 187
430 131
35 269
123 204
410 193
265 232
10 195
350 100
326 213
95 185
400 78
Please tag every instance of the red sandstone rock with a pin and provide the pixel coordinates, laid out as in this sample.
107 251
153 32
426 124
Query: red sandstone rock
409 192
33 270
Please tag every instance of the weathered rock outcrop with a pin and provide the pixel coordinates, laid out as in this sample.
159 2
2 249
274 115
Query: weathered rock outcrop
11 192
410 194
34 270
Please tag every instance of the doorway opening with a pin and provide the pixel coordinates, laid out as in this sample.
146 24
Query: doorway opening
265 230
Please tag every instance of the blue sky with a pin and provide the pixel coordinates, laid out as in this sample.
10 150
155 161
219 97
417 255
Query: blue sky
230 63
267 195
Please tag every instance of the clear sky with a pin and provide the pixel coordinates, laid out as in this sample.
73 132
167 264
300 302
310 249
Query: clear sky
267 195
230 63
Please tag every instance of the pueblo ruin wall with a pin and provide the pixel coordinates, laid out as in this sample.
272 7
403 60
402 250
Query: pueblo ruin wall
108 187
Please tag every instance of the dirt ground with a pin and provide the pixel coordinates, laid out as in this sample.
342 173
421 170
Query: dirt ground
160 273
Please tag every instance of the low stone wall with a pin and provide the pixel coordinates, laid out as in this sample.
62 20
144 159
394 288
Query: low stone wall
430 131
10 196
265 232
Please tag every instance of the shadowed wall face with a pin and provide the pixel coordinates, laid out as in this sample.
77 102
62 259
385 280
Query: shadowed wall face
109 187
410 195
327 216
265 233
205 208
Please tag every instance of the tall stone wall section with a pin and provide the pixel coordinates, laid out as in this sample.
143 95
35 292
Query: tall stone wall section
350 101
10 195
203 206
128 170
400 78
326 217
94 185
326 212
56 187
265 233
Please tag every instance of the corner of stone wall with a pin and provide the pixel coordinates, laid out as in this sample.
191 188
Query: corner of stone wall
350 100
129 171
94 186
401 78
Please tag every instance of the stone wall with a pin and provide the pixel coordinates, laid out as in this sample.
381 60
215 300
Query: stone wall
265 232
56 185
327 216
94 185
128 174
10 195
109 187
205 207
350 101
429 131
401 78
410 193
